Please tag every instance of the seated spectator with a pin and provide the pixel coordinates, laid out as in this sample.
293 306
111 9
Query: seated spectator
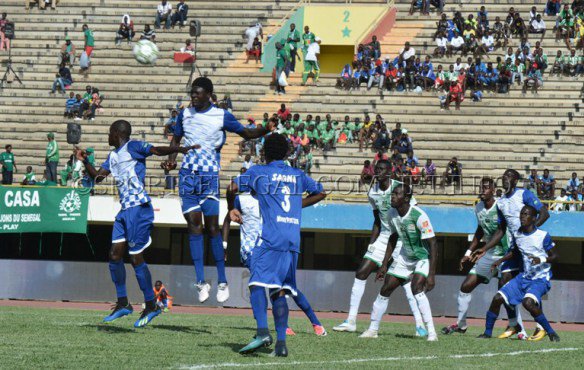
188 48
487 44
456 44
344 81
170 124
518 27
548 185
124 33
63 79
376 75
67 54
573 183
245 145
407 53
404 144
41 3
367 173
85 102
504 80
553 7
180 14
94 106
305 159
29 177
284 113
379 155
518 72
148 34
426 78
395 155
576 198
327 137
414 172
247 162
391 76
533 182
441 45
163 14
375 47
129 23
72 105
453 173
442 26
489 78
559 205
565 30
411 159
456 95
255 51
429 173
572 65
537 25
534 79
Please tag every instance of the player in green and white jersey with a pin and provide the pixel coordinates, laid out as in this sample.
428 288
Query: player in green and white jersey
487 215
380 199
416 260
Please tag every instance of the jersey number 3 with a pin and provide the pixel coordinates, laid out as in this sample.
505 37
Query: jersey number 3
286 203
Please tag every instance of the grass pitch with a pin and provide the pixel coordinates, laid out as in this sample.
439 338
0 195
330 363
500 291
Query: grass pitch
67 338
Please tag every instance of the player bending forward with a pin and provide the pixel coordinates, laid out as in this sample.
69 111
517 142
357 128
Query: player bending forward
536 249
413 227
380 200
249 232
487 215
278 189
133 224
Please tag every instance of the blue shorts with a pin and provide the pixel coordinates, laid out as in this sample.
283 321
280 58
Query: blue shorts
133 225
199 192
512 265
274 269
519 288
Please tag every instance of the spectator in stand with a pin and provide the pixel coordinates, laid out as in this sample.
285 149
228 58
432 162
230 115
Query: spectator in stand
345 80
534 79
441 45
86 102
72 105
281 63
180 14
487 44
558 66
537 25
367 173
94 106
247 162
244 145
188 48
456 44
429 173
533 182
504 80
407 53
163 14
62 80
404 143
4 41
129 23
253 32
89 40
548 185
426 78
170 124
383 140
411 159
375 47
376 76
292 42
305 159
453 173
395 155
311 62
52 158
255 51
8 165
518 27
29 177
456 95
573 183
148 34
559 205
283 113
124 33
576 199
67 54
572 65
518 71
565 29
553 7
327 137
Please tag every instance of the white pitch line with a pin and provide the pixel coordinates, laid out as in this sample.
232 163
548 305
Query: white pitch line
381 359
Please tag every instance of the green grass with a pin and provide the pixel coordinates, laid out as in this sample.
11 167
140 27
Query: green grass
53 338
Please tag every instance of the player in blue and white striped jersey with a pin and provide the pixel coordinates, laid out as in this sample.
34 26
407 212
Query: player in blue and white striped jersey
205 125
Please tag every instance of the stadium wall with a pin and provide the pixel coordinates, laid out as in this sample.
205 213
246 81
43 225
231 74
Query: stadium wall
326 290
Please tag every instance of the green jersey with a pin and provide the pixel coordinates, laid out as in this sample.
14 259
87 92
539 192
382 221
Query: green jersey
89 40
312 134
327 135
52 151
321 126
380 200
295 124
281 58
293 36
29 177
307 39
350 126
7 160
488 220
413 230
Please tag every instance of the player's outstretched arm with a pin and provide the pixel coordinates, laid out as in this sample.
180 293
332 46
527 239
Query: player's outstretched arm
313 199
168 150
430 282
478 235
391 242
543 215
97 175
376 229
170 163
509 256
254 133
497 236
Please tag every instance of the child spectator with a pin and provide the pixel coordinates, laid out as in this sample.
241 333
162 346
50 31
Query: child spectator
29 177
70 111
148 34
344 81
548 185
255 51
559 204
163 299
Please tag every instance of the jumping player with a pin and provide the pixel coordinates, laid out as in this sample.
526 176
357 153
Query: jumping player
249 232
380 199
487 215
278 189
416 261
509 207
204 124
536 249
132 226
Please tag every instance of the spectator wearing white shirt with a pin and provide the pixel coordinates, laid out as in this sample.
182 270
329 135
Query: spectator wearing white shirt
537 25
573 183
576 198
559 204
251 33
311 62
247 163
163 14
188 48
408 52
487 42
456 44
458 65
441 45
533 13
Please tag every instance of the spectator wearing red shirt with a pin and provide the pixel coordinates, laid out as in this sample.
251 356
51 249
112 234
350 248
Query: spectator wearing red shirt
283 113
4 41
379 156
455 95
367 173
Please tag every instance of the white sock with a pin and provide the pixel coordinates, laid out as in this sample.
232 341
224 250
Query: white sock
424 306
379 308
519 320
356 295
413 304
463 303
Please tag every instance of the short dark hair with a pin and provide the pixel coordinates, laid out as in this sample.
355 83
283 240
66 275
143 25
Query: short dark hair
8 146
514 173
488 180
123 127
204 83
531 209
276 147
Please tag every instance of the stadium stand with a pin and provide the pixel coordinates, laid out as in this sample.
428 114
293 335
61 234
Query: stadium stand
502 131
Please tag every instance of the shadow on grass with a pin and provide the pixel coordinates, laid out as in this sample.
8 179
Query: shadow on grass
109 328
181 329
406 336
235 347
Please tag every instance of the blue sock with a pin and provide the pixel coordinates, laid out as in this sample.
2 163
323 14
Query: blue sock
490 322
302 302
144 281
542 320
196 245
118 273
219 255
280 311
259 305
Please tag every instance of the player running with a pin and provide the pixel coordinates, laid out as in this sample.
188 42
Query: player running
487 215
380 199
536 249
249 232
278 189
416 261
133 224
509 207
204 124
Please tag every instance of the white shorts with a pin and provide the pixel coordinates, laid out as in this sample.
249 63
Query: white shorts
376 251
403 267
483 268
